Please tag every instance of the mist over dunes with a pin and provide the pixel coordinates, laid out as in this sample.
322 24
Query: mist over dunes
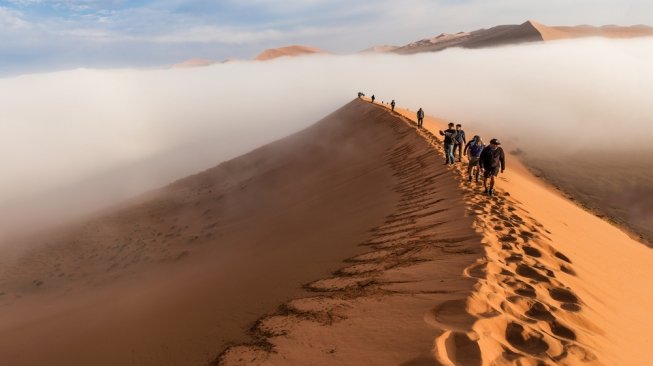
200 215
146 128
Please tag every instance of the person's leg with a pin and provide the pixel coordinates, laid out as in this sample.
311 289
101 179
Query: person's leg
451 155
491 190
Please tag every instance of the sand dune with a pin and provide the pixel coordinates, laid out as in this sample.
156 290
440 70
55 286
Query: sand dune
379 49
373 310
530 31
616 186
193 62
547 287
175 276
495 36
361 248
550 33
288 51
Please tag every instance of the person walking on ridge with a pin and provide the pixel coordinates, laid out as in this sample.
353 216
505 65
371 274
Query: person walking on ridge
373 98
449 141
473 150
420 118
492 159
460 142
392 104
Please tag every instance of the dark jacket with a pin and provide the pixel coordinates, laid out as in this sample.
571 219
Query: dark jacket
493 158
460 138
420 114
449 136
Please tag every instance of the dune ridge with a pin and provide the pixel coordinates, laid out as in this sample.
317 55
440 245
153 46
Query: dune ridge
288 51
550 33
529 31
445 276
372 311
543 294
553 284
526 313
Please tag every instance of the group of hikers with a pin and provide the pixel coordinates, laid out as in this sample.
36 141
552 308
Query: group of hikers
488 159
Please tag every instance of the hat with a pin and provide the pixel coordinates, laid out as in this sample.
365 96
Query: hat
495 142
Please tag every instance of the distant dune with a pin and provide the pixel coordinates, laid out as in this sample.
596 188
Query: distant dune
608 31
530 31
289 51
379 49
194 62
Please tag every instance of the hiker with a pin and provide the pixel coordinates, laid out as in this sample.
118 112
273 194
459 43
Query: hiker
373 98
449 141
420 118
492 159
473 151
392 104
360 95
460 142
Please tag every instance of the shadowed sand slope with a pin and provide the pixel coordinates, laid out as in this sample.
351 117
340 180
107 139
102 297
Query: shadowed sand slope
392 301
347 243
173 277
495 36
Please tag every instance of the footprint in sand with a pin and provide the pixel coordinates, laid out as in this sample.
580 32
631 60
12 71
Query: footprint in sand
530 342
563 295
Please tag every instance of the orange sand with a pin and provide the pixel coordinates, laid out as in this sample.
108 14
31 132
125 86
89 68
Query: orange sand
445 276
289 51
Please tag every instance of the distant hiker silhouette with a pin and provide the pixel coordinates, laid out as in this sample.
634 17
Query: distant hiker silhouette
460 142
373 97
473 150
449 141
392 104
492 159
360 95
420 118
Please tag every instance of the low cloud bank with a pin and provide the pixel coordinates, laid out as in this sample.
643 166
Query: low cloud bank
90 138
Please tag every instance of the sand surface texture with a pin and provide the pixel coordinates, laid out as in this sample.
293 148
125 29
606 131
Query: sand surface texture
348 243
555 286
174 276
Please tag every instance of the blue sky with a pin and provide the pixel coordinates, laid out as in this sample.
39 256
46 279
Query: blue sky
40 35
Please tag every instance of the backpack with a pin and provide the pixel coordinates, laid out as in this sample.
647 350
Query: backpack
475 149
